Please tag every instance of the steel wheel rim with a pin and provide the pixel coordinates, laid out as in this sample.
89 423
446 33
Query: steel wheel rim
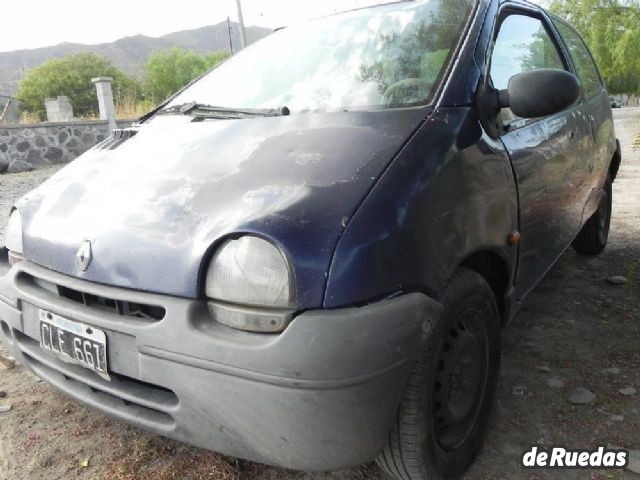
460 380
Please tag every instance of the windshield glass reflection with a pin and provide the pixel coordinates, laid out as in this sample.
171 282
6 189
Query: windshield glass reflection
386 56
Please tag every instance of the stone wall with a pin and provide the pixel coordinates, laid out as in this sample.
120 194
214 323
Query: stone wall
25 147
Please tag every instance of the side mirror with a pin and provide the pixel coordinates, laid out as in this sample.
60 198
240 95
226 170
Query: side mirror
539 93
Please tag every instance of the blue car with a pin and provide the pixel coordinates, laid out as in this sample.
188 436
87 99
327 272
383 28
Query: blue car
306 257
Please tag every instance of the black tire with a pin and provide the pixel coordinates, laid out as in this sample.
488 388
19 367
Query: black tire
594 235
466 339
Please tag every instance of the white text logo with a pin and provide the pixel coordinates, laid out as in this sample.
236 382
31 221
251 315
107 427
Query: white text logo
559 457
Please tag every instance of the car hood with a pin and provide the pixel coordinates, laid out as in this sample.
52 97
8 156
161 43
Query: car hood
155 206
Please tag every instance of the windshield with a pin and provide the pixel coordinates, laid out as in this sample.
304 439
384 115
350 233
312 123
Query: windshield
380 57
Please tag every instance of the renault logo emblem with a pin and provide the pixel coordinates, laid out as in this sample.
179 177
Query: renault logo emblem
84 256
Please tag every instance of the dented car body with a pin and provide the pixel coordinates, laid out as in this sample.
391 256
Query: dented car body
259 279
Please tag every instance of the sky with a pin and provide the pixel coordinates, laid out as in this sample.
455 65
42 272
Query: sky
30 24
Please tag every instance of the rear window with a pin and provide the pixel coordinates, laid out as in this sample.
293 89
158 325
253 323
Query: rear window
587 70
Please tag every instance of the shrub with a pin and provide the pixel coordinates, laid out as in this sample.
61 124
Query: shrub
168 71
71 76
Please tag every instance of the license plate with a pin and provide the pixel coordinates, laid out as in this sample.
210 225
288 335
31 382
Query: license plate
74 342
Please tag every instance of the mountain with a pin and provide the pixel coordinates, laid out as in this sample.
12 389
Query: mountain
129 53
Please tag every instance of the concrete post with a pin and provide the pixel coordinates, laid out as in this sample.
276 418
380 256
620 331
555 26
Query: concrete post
105 101
59 109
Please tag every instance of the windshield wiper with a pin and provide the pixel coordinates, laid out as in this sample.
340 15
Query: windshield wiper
199 110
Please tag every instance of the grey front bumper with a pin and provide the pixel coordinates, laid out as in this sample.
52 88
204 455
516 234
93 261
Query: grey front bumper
320 396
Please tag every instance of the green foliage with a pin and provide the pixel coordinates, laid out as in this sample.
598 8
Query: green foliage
611 28
71 76
541 53
168 71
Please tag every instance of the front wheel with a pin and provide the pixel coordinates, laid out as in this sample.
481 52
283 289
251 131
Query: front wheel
444 413
594 235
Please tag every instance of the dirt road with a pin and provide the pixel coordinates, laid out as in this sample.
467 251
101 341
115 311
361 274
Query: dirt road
575 330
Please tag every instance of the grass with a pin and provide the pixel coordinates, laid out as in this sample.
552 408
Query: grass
28 118
151 457
129 107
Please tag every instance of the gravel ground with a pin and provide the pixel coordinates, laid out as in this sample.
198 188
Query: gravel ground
575 330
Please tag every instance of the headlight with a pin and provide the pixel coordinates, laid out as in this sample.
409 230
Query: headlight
249 284
13 238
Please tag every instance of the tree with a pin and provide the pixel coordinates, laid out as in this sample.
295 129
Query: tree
71 76
168 71
411 60
611 29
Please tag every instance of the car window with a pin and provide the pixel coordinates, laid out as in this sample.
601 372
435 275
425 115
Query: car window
380 57
522 44
587 70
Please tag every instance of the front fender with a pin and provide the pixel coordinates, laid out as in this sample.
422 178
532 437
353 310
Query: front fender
450 193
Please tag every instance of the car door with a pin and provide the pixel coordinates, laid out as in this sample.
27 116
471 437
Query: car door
545 152
594 111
